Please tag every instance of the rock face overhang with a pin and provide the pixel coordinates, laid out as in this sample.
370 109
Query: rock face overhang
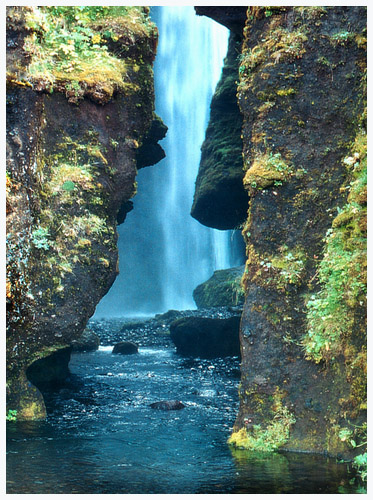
71 168
220 200
302 94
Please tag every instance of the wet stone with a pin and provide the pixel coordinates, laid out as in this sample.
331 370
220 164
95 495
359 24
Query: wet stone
167 405
125 348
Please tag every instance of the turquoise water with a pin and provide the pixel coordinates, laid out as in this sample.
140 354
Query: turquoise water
101 436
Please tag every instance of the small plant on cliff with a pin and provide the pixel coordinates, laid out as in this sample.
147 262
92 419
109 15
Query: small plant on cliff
40 238
11 416
360 463
342 272
342 37
357 438
270 438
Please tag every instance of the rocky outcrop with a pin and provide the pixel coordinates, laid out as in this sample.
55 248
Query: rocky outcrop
222 289
125 347
232 18
302 93
73 136
220 200
151 152
206 337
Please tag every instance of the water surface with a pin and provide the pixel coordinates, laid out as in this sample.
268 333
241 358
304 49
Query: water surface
101 436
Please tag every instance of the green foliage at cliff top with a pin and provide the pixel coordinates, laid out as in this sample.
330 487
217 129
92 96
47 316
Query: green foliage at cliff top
65 46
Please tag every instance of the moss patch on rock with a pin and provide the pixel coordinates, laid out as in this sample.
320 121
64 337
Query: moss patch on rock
302 93
84 50
273 436
222 289
220 199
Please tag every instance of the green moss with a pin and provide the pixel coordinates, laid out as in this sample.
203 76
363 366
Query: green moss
342 272
266 170
274 436
69 49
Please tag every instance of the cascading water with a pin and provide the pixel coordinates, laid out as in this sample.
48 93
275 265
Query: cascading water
164 252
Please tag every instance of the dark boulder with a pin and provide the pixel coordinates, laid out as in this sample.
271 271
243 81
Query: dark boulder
125 347
222 289
206 337
167 405
88 341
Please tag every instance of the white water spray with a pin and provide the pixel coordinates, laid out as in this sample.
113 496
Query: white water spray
164 252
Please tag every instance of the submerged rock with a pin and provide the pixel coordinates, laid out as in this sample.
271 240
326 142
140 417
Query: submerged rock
206 337
222 289
167 405
125 348
88 341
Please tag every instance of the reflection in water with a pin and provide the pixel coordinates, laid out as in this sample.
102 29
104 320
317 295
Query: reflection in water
288 473
101 436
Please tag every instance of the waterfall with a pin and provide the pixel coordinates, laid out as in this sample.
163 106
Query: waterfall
164 252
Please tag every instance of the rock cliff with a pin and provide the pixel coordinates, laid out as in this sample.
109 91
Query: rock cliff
302 94
220 200
80 109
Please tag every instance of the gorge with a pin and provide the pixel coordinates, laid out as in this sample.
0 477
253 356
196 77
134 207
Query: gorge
283 160
183 252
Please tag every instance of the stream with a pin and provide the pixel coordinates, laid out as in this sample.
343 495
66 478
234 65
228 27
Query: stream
102 436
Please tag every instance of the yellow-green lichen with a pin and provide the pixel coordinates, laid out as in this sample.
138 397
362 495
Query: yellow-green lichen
266 170
270 438
286 92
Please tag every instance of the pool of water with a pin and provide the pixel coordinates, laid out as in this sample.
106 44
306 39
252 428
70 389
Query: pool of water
101 435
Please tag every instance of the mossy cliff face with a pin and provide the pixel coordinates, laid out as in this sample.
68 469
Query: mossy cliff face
302 93
223 288
220 200
72 144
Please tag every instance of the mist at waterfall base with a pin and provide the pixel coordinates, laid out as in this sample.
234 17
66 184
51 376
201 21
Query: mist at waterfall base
163 252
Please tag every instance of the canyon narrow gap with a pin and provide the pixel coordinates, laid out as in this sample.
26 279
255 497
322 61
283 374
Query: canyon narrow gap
186 274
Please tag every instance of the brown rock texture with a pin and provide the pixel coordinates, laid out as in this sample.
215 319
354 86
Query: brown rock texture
302 94
71 166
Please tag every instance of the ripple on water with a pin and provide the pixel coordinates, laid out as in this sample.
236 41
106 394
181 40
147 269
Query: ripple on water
102 436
